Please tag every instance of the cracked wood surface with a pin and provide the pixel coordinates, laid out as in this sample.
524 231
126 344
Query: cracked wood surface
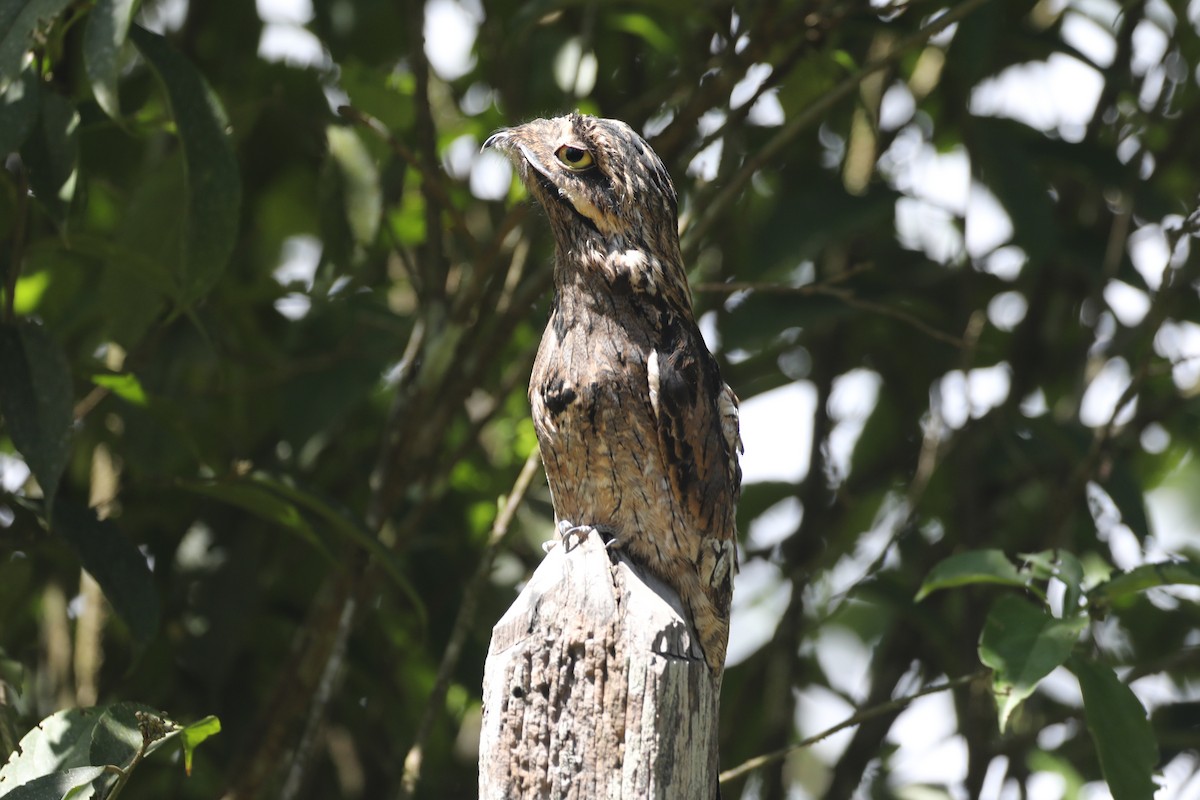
594 687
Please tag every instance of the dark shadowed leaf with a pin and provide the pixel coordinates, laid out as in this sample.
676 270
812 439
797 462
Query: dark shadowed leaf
52 154
116 564
1129 496
19 21
117 737
36 400
1024 644
18 110
107 27
976 566
1012 175
263 503
213 183
1148 576
342 525
1062 565
1120 730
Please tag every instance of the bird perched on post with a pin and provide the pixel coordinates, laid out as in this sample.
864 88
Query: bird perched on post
638 433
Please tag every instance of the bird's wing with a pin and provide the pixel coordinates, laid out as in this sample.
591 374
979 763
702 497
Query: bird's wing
697 425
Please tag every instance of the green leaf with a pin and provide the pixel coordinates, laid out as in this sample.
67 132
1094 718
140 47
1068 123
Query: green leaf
107 28
1062 565
645 28
1139 579
350 529
72 740
196 733
61 741
359 181
263 503
213 190
999 147
116 564
1129 496
1122 734
117 737
18 111
36 399
19 21
126 386
11 672
976 566
1024 644
56 785
52 154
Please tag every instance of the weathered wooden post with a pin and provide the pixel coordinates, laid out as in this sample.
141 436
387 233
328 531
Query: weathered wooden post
595 688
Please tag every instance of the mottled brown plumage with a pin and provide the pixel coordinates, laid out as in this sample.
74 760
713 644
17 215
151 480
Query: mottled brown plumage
638 432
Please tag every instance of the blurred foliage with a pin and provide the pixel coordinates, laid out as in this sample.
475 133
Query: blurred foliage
262 373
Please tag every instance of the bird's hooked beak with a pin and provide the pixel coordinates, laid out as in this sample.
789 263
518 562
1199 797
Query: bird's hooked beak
501 140
506 140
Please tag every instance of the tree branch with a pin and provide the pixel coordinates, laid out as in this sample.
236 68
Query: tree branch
855 719
717 208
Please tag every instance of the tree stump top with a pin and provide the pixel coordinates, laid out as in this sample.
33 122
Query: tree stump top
595 688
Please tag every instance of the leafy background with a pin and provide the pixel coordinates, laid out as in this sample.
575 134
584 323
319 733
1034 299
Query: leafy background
265 445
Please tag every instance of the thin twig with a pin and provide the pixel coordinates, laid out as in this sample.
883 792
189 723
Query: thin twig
883 310
767 287
462 626
854 719
830 289
812 114
332 670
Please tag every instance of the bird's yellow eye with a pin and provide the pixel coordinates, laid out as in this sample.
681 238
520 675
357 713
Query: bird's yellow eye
574 158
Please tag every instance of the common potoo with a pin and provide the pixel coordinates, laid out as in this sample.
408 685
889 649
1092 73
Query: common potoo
638 433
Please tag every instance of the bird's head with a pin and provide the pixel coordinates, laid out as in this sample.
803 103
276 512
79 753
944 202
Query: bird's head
596 178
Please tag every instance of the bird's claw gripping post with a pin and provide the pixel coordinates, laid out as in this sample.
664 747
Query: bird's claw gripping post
567 531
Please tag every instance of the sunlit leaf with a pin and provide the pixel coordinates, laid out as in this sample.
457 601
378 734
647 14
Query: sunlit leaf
213 182
29 291
1023 644
975 566
1120 730
127 387
194 734
56 785
59 742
